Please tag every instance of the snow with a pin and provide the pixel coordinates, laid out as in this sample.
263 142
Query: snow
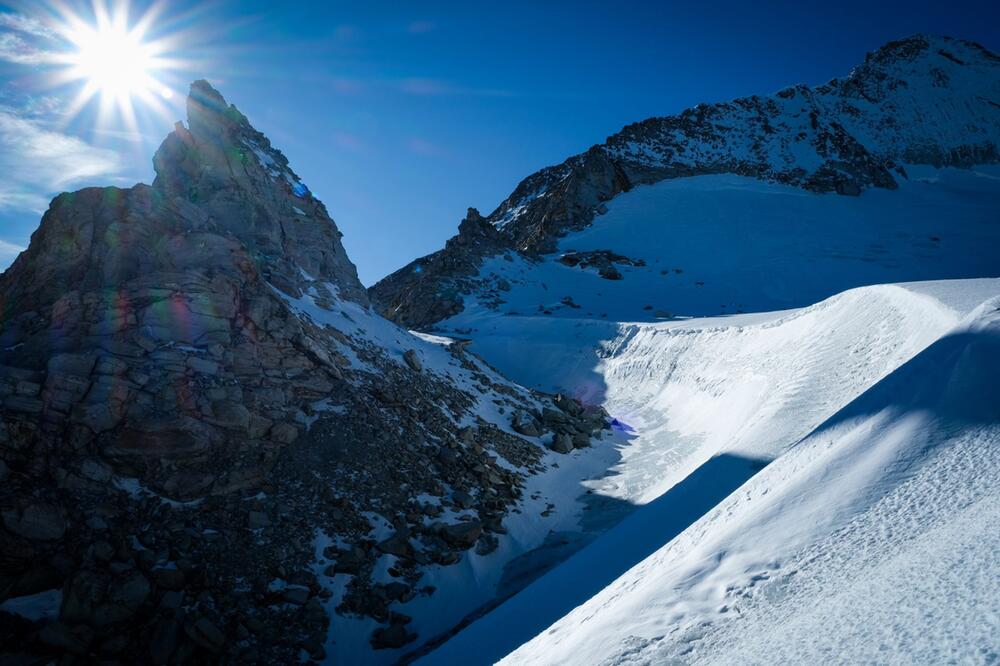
872 539
137 491
690 568
742 245
787 306
477 579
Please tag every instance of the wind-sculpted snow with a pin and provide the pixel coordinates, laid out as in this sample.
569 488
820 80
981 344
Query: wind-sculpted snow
841 529
873 539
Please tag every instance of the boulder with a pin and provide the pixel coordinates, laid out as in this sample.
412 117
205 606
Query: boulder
462 535
525 425
296 595
257 520
204 633
350 561
398 544
462 499
562 442
168 579
284 433
36 521
413 360
231 415
392 637
95 470
163 642
73 639
98 599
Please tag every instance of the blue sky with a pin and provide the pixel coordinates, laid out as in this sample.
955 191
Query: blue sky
401 115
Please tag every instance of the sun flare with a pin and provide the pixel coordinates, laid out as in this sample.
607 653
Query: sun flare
116 61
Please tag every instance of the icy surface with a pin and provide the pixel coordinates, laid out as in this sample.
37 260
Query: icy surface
871 540
715 409
722 245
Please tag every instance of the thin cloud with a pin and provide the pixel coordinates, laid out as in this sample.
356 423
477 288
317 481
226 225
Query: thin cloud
426 87
26 24
350 142
346 86
38 162
19 40
16 50
424 147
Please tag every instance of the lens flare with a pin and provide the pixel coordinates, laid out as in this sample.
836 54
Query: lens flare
115 60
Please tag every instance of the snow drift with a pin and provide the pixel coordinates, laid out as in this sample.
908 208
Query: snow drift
872 539
712 403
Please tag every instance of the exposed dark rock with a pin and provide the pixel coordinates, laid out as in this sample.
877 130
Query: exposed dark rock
203 632
562 442
412 360
43 522
392 637
175 434
462 535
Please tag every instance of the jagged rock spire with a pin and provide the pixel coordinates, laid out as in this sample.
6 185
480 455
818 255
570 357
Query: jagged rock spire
240 183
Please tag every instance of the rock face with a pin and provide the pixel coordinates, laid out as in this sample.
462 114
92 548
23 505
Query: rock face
921 100
150 317
195 397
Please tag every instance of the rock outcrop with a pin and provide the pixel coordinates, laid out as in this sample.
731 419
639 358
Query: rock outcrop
921 100
200 415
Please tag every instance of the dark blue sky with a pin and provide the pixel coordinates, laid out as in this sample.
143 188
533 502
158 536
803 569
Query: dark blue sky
401 115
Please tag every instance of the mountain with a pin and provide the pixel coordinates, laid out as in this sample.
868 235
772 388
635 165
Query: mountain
796 345
211 448
918 101
709 391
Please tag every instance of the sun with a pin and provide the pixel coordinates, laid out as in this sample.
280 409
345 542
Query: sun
114 62
117 61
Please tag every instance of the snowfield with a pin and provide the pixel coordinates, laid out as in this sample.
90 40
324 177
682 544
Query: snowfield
793 483
872 540
724 244
874 529
711 404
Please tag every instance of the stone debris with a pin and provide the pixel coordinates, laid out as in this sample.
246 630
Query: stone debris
174 434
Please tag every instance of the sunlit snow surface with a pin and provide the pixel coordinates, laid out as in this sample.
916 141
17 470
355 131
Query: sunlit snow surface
815 483
872 540
721 245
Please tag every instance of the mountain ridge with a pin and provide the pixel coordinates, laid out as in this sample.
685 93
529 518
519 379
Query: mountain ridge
844 136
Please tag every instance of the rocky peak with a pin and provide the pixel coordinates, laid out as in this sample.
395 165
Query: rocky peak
476 227
199 416
223 173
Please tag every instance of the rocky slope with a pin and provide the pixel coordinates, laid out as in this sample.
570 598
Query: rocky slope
921 100
204 427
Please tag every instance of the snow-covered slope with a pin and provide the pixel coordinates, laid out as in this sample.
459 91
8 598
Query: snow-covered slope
697 352
872 540
711 402
712 245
